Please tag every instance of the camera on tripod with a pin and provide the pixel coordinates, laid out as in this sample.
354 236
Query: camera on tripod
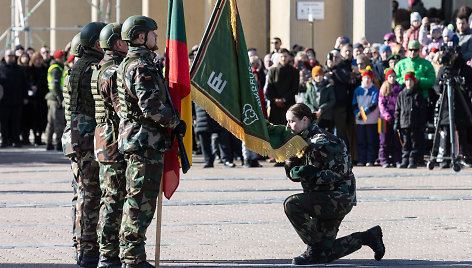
452 85
449 54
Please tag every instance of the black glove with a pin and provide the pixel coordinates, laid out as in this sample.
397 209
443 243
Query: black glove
181 128
291 163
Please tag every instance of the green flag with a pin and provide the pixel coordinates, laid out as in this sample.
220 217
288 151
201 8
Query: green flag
224 85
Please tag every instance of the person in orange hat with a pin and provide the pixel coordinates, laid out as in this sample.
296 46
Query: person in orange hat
320 98
410 117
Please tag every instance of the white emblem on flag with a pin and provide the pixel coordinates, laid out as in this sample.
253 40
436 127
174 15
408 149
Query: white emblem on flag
250 115
215 84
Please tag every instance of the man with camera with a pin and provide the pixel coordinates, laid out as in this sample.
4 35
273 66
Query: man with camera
454 67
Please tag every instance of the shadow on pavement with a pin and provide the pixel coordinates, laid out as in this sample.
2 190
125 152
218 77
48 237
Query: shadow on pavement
275 263
338 263
28 155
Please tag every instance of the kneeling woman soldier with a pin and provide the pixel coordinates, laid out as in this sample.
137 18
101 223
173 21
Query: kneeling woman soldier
329 193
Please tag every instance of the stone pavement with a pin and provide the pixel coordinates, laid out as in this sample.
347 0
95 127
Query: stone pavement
224 217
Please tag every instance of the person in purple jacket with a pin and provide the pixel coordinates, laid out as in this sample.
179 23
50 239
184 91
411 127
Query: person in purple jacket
390 150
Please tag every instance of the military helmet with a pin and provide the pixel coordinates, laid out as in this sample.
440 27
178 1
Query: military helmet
90 33
109 34
76 48
136 24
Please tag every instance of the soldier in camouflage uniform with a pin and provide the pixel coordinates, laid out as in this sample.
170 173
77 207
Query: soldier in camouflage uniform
146 116
329 193
78 143
111 161
76 50
54 98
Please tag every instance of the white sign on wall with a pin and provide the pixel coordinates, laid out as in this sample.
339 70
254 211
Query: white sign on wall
307 9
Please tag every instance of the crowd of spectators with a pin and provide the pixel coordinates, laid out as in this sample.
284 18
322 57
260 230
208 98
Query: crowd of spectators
354 91
23 96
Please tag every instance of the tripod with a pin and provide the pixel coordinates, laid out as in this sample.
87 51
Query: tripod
449 83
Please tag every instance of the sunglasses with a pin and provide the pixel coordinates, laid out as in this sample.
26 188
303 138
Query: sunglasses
10 55
413 49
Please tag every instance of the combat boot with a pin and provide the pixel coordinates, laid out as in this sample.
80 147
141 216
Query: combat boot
143 264
89 261
110 262
312 255
78 256
373 239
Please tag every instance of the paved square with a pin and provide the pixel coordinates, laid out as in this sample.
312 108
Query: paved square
234 216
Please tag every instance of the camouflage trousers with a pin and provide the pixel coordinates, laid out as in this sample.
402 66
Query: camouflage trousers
316 218
143 178
87 204
75 191
56 122
113 186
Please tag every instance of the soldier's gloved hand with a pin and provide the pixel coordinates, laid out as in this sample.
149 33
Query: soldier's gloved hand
291 163
181 128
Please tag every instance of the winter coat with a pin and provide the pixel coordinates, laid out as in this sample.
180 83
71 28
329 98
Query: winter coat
410 35
424 72
465 41
14 83
460 113
368 99
387 103
204 123
410 109
341 76
320 96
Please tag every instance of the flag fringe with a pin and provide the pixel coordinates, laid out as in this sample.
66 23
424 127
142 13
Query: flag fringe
295 146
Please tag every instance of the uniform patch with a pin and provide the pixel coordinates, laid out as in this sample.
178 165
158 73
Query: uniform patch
147 77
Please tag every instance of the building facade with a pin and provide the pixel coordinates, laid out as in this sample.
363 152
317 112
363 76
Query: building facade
55 22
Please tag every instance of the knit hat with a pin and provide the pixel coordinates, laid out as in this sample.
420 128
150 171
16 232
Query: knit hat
59 54
436 28
367 71
389 71
414 45
384 48
389 36
316 71
398 26
410 75
394 57
415 16
447 33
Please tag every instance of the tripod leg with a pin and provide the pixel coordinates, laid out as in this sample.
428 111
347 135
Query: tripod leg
452 132
435 146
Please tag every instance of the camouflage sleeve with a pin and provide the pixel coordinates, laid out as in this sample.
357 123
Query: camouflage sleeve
105 89
329 162
56 74
315 175
152 102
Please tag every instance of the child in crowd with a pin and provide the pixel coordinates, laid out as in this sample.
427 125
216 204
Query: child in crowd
435 40
320 98
366 98
410 115
390 148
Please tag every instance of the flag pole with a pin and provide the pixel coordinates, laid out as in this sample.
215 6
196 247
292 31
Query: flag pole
158 226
